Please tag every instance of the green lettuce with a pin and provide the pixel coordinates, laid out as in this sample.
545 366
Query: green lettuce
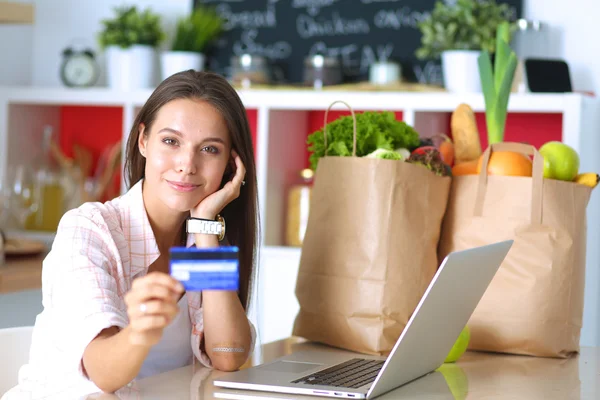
385 154
374 130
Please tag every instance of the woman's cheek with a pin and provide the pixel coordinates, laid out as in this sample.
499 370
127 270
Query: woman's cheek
161 162
213 186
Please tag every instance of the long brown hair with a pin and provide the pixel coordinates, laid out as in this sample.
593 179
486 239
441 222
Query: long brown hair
241 215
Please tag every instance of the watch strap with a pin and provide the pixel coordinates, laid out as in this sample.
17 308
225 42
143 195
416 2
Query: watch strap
206 226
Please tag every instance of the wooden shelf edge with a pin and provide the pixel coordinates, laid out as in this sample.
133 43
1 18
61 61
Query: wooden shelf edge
16 13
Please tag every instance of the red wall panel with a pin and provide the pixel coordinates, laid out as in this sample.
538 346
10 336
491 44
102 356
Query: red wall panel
535 129
94 128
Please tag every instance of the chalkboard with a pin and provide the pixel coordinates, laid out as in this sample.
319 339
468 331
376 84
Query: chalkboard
358 32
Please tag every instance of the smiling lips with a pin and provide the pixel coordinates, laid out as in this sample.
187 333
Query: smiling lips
182 186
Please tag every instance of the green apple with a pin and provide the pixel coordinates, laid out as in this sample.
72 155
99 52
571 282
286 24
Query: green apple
460 346
561 161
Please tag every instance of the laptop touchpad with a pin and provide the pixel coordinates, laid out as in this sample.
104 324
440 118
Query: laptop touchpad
289 366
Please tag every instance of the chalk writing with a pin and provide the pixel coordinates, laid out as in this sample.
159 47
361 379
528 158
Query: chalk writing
247 44
396 19
345 53
380 53
247 19
308 27
355 59
313 7
431 72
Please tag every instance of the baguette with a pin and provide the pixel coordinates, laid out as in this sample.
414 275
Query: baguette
467 146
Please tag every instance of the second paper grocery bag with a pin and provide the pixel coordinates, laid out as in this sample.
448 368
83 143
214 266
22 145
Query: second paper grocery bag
534 305
369 251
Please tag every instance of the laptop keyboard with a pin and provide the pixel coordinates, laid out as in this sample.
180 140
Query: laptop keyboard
350 374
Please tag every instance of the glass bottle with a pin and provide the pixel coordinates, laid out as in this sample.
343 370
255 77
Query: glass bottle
298 208
49 192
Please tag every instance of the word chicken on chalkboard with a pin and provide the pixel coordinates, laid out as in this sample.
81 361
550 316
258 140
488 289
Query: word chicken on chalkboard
357 32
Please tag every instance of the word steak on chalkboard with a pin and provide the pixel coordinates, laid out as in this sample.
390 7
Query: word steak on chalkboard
357 32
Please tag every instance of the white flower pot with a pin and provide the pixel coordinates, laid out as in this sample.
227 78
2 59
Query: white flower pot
461 71
172 62
131 68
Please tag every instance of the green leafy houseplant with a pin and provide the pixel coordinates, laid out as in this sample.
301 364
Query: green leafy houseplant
374 130
497 83
131 26
197 30
466 25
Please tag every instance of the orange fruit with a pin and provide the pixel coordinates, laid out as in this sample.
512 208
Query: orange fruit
507 163
465 168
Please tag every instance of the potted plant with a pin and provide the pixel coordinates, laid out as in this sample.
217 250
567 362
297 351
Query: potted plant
458 32
130 40
194 33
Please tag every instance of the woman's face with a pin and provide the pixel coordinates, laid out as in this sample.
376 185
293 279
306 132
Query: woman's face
187 152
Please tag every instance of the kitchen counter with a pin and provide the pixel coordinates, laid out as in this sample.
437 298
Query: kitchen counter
475 376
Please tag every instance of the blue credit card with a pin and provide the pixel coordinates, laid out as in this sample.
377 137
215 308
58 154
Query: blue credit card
205 269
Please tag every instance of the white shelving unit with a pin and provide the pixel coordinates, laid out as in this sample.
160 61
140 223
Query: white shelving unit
282 127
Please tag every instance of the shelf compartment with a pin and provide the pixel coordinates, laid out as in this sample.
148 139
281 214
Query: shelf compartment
286 157
25 131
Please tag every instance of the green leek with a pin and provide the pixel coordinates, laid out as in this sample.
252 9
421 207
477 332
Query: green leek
497 84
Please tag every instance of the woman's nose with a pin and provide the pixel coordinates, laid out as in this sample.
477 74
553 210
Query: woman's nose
186 162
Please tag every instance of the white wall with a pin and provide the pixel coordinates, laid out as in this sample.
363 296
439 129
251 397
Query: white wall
15 53
572 30
61 23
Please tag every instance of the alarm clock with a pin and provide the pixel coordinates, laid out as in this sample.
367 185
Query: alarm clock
79 68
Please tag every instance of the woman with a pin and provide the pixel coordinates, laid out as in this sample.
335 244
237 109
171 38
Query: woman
112 313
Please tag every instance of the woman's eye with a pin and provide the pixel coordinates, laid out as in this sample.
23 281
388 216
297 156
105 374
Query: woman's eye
211 149
169 141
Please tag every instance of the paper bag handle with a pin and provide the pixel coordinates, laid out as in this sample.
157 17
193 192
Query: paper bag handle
537 177
354 126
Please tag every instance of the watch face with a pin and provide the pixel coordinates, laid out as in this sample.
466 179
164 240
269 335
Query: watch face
79 70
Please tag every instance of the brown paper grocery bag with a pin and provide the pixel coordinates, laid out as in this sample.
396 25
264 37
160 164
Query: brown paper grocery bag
369 251
534 304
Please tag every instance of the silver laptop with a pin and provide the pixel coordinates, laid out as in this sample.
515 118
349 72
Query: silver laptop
440 316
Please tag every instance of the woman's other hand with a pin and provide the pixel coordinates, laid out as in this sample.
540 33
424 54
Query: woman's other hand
151 306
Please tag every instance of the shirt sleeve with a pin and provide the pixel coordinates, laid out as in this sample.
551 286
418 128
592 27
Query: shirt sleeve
80 289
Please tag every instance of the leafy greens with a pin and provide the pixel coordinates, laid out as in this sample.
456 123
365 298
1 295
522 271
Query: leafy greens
374 130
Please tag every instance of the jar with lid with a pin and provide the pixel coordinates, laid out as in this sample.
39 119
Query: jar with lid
249 69
322 71
298 206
